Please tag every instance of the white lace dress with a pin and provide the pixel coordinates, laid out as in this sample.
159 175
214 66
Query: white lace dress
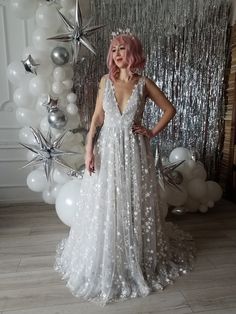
119 245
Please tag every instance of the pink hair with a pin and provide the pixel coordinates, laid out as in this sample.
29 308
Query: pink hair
134 54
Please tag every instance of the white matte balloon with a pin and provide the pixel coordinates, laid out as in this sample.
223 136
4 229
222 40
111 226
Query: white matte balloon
55 190
48 196
30 155
69 71
44 125
72 109
26 136
68 84
15 72
39 85
48 17
40 105
67 201
23 9
22 98
179 153
175 197
199 172
36 180
71 97
203 208
40 40
27 117
214 191
60 176
197 188
191 205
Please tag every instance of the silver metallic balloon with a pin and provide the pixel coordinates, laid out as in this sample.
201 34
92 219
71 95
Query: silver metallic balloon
77 33
60 56
56 118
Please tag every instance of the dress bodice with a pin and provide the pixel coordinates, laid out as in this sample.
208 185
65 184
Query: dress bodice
133 111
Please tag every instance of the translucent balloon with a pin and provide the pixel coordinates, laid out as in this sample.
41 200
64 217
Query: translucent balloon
15 72
179 153
39 85
59 74
27 117
72 109
22 98
26 136
71 97
23 9
48 17
48 196
36 180
197 189
58 88
67 201
68 84
40 40
214 191
175 197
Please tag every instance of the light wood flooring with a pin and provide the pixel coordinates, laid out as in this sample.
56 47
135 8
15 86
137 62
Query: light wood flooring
28 284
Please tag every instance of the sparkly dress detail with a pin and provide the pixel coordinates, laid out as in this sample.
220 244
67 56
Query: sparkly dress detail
119 245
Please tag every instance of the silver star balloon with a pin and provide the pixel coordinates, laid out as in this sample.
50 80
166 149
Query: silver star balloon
47 151
77 33
167 173
30 65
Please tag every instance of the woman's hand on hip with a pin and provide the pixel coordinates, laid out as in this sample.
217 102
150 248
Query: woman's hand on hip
139 129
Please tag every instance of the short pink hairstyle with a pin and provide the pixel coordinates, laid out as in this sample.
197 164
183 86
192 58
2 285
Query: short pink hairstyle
134 54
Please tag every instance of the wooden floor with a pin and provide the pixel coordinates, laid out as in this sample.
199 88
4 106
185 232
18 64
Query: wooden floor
28 283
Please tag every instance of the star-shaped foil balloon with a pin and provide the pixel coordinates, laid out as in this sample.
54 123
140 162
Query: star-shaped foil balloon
30 65
48 151
165 173
77 33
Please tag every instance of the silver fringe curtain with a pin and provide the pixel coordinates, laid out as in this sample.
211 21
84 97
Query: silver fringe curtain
186 45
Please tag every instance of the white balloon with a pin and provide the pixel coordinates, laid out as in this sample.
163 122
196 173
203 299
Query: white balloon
58 88
59 74
42 58
71 97
15 72
210 204
67 201
30 155
26 136
36 180
186 168
27 117
40 40
39 85
22 98
60 176
24 9
175 197
197 189
203 208
68 84
44 125
179 153
191 205
48 196
214 191
55 190
199 172
47 17
72 109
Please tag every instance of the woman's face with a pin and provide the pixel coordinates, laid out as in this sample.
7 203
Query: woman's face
119 55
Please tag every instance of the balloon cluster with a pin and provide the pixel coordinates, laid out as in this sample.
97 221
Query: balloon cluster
46 105
195 192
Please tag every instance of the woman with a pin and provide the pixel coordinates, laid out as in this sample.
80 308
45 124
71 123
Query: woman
119 245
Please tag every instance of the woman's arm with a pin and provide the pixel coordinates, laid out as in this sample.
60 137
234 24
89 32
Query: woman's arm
153 92
97 118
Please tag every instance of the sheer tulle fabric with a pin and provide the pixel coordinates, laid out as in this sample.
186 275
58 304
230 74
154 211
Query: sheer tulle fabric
119 245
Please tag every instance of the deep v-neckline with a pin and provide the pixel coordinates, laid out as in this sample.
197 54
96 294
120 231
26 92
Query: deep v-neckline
129 98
